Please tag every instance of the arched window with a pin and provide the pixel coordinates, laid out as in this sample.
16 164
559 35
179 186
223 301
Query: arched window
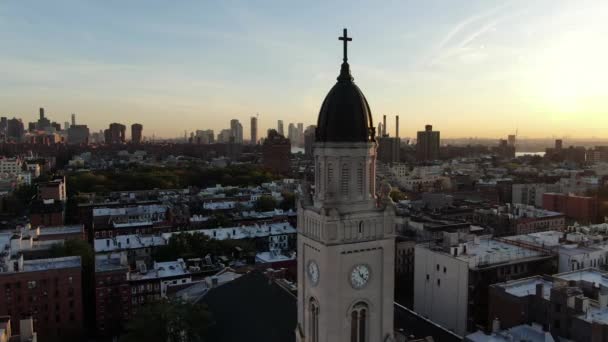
360 227
314 320
358 323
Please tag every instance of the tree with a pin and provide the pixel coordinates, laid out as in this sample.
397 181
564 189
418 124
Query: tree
265 203
289 201
397 195
169 321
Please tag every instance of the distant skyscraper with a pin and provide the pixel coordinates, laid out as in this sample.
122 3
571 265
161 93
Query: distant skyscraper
236 131
136 133
292 134
379 132
276 151
300 141
280 128
511 138
43 123
224 136
254 130
66 125
427 147
309 140
204 137
73 119
14 130
115 134
78 135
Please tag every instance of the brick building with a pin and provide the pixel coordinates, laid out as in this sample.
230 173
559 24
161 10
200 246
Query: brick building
276 152
112 294
572 305
49 290
47 213
53 190
583 209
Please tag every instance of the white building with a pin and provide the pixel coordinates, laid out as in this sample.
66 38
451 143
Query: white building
446 277
575 251
532 194
11 165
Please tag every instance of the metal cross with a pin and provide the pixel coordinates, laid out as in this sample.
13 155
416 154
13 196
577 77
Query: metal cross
345 38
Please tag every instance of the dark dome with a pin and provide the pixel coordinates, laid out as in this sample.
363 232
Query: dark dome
345 115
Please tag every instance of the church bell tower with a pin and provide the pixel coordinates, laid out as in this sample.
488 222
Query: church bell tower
346 247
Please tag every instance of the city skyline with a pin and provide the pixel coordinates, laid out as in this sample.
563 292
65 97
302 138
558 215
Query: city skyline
482 68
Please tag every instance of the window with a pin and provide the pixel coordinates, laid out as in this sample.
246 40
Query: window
437 267
360 227
358 323
438 282
444 269
360 179
314 320
344 179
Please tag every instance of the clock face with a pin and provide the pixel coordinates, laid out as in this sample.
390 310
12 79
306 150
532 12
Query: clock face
359 276
313 272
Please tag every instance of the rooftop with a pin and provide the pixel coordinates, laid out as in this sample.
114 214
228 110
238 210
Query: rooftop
487 251
242 232
110 262
589 275
524 332
130 241
56 230
162 270
137 210
527 287
273 256
51 264
548 238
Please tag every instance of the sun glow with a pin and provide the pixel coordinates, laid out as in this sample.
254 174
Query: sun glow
569 75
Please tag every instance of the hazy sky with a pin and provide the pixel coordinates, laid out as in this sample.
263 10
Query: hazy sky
470 68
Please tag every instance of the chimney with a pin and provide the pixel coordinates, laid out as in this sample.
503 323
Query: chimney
495 325
26 329
539 290
397 126
602 297
41 113
384 126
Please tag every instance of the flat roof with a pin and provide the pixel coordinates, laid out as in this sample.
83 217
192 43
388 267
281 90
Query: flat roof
51 264
273 256
548 238
111 264
595 314
129 241
242 232
72 229
527 286
162 270
524 332
589 275
489 251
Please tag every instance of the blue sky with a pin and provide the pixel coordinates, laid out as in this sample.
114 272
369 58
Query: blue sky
470 68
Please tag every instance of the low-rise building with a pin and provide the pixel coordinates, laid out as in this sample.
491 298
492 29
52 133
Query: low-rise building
49 290
451 279
583 209
112 294
571 305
